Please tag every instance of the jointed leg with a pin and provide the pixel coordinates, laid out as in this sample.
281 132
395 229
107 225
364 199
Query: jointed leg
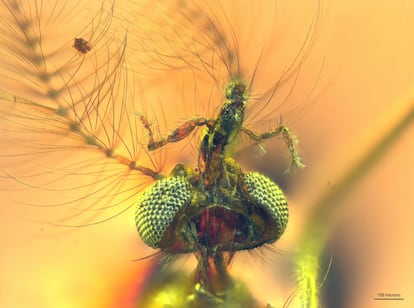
176 135
288 137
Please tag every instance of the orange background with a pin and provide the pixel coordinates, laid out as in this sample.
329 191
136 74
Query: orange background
363 53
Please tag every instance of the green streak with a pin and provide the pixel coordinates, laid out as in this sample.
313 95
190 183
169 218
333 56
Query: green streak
316 231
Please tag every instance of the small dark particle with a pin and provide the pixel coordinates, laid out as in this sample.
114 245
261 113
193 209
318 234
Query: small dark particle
81 45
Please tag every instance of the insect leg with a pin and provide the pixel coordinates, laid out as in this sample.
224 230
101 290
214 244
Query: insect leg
289 138
176 135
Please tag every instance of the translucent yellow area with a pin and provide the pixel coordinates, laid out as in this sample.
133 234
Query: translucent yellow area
363 55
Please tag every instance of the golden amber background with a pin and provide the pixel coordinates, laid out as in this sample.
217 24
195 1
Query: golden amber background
364 51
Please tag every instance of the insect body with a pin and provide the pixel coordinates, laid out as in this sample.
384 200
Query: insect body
215 209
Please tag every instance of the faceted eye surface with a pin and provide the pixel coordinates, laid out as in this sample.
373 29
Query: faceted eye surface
266 194
157 207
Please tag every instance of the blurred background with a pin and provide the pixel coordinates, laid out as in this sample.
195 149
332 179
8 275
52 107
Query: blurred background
342 75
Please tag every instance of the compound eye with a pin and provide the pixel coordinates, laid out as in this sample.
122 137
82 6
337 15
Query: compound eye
269 197
158 206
